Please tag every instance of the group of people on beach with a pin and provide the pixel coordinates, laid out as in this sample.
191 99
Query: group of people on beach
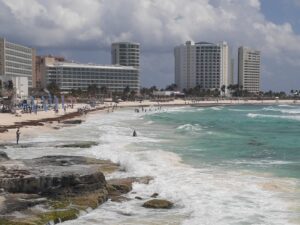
137 110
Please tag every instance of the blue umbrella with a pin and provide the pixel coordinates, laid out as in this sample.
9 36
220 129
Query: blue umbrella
44 104
56 102
63 102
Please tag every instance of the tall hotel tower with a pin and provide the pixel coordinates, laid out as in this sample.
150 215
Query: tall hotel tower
204 64
17 64
249 69
125 54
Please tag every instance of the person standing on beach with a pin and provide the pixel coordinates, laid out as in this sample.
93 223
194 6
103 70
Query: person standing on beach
18 135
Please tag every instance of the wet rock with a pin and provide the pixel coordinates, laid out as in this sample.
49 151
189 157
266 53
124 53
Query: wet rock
138 198
60 185
118 187
119 199
3 130
154 195
3 156
158 204
71 121
83 144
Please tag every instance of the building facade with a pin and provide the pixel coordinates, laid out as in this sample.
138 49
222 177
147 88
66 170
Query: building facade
125 54
40 67
203 64
249 69
70 75
16 64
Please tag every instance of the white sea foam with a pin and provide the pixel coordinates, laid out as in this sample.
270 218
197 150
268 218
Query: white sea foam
244 110
284 111
256 115
205 195
190 127
201 195
217 108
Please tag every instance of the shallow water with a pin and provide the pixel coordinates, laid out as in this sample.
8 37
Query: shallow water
219 165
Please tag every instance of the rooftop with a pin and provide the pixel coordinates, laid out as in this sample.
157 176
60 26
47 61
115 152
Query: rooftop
89 65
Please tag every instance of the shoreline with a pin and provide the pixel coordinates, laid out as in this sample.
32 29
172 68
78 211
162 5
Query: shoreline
49 126
46 121
41 124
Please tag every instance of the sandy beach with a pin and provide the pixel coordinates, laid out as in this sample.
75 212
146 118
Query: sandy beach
7 120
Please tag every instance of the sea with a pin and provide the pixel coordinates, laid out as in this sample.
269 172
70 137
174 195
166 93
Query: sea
227 165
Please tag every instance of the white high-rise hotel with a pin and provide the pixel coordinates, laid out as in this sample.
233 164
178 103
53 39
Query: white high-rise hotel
16 64
204 64
249 69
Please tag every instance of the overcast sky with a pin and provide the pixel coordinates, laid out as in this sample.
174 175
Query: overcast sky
82 30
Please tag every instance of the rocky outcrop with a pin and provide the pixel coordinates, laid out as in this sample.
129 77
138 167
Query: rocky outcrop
154 195
62 185
81 144
158 204
72 122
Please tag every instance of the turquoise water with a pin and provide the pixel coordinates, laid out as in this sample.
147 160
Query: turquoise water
261 138
230 165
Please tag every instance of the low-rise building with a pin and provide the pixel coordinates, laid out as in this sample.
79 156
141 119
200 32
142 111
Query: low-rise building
72 76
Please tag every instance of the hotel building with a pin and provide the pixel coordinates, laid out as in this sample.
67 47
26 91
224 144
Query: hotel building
17 64
125 54
249 69
70 75
203 64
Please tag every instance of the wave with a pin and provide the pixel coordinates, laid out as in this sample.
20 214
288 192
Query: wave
284 111
244 110
254 115
217 108
201 195
206 195
190 127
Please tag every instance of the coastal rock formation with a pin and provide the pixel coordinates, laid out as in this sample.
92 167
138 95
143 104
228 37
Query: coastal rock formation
154 195
62 185
81 144
72 122
158 204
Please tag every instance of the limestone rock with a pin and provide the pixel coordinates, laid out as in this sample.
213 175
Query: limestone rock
158 204
61 185
3 156
72 122
154 195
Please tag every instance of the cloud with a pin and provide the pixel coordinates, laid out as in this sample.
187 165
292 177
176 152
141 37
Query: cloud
158 25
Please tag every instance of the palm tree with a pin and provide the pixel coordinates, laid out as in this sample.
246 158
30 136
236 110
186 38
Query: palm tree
223 88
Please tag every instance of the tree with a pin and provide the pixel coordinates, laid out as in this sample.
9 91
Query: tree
103 90
126 92
53 88
223 88
132 94
92 89
172 87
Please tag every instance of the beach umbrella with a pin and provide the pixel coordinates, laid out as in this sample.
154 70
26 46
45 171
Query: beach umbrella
32 101
44 104
49 99
63 102
56 102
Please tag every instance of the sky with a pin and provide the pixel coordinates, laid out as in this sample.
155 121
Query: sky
84 30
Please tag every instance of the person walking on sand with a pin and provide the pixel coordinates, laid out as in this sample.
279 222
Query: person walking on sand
18 135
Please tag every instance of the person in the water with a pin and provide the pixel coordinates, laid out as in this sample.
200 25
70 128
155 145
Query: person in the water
134 133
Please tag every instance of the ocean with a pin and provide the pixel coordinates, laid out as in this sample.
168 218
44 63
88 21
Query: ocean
233 165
